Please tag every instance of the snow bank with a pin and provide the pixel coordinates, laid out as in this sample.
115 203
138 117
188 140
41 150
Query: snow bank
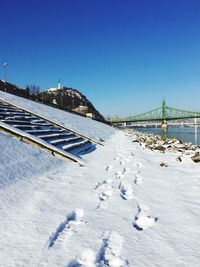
85 126
22 161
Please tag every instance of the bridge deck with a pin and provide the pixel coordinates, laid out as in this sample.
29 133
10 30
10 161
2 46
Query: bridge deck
160 114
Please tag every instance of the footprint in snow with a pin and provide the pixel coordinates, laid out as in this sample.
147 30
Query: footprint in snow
139 165
143 221
109 168
67 228
104 184
87 259
122 162
105 191
138 179
119 174
126 191
125 170
109 254
116 158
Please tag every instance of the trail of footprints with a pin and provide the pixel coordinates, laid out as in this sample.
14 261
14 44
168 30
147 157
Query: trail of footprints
109 252
107 187
142 220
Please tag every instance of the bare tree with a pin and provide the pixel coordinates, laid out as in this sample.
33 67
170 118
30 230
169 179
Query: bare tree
34 89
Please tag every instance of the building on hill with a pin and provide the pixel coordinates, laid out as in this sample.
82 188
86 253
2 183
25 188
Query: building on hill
81 109
53 89
72 100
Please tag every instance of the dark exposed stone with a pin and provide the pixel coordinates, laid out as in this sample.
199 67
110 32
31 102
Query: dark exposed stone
163 164
179 159
196 158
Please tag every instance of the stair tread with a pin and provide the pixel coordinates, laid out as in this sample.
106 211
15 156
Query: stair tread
54 142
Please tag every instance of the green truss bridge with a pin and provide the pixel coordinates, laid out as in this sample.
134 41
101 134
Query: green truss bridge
162 114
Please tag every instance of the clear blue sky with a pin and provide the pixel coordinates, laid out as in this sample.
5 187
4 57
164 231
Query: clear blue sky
124 55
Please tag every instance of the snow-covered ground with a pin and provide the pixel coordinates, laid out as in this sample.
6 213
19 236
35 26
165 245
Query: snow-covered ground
83 125
120 209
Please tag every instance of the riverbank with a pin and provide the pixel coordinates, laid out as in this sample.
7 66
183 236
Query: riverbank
121 209
185 134
156 142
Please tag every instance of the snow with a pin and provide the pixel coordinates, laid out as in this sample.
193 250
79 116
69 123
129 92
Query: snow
53 89
40 141
120 209
85 126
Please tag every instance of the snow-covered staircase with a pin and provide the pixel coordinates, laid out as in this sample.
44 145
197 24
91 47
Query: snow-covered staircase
46 134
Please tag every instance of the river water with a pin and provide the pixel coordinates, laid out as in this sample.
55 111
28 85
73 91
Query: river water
185 134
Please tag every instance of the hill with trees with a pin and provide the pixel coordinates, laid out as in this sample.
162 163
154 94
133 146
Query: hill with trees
65 98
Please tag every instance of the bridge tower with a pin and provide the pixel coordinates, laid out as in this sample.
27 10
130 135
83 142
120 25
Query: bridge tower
164 116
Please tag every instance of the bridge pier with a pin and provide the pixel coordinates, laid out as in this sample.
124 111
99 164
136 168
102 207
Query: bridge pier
164 125
164 129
